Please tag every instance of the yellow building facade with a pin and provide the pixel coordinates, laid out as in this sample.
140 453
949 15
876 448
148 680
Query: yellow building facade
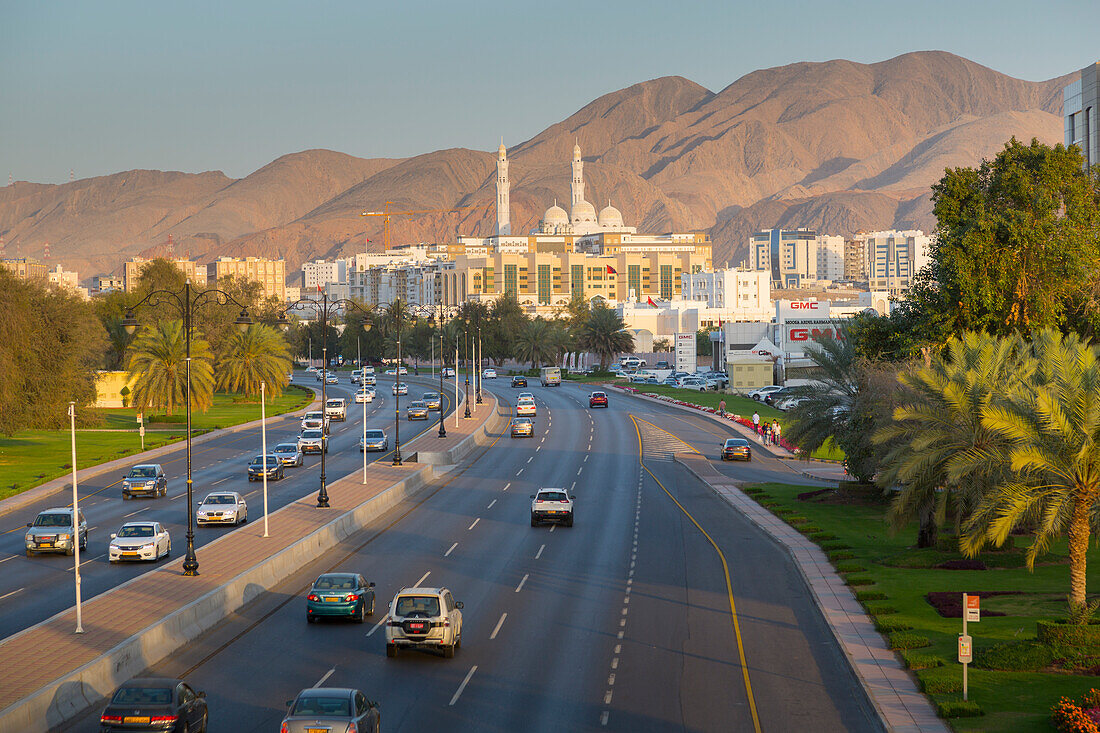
271 274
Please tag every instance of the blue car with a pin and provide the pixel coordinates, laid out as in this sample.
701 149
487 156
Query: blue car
341 595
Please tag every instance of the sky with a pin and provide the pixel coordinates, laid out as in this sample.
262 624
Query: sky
98 86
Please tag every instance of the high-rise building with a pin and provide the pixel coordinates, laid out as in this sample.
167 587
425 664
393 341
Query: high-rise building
107 283
319 273
744 294
191 270
271 274
1081 108
855 260
24 268
797 258
894 258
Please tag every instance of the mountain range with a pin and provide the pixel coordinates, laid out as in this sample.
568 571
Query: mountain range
837 146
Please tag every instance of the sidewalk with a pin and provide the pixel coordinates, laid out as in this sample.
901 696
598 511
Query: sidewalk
891 689
79 670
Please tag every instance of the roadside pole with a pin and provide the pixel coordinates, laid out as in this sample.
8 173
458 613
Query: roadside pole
263 440
141 429
456 387
76 523
364 445
971 612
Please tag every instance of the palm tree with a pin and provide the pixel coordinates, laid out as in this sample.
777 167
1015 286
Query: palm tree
938 447
157 364
1051 422
258 354
603 334
826 404
536 343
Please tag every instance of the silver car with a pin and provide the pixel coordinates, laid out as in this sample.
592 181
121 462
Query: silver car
417 411
313 441
147 479
52 531
222 507
331 709
374 439
140 541
289 454
433 400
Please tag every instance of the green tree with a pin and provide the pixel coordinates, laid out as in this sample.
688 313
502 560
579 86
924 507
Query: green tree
258 354
703 344
157 364
536 343
1051 423
603 334
506 321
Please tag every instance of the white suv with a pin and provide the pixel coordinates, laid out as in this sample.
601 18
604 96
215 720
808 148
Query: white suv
552 505
336 409
424 617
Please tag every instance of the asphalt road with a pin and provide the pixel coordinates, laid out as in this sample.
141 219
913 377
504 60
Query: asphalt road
33 589
621 622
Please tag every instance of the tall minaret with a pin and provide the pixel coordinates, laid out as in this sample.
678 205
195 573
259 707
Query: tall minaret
577 185
504 217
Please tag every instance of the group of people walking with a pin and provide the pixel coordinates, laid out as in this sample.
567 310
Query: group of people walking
769 433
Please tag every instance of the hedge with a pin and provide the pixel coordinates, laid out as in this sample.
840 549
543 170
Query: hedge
1057 633
959 709
908 640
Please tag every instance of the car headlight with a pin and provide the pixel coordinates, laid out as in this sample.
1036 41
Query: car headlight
29 538
63 537
150 483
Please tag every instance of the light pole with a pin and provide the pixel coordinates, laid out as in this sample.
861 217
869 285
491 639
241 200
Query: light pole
263 444
466 341
480 374
76 523
442 430
185 302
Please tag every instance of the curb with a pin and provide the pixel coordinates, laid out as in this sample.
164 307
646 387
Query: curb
874 693
30 496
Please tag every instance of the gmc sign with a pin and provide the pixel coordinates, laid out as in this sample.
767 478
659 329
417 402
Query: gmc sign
806 305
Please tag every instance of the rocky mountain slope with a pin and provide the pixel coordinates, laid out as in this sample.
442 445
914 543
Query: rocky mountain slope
838 145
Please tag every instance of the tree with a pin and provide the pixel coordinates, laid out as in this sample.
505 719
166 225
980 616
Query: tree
258 354
506 321
703 344
1051 423
938 446
536 343
157 363
603 334
662 344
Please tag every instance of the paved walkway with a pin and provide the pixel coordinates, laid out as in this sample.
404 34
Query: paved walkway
49 651
892 689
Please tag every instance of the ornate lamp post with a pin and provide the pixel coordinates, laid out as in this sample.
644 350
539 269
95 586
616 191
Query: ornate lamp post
185 302
466 342
480 373
442 361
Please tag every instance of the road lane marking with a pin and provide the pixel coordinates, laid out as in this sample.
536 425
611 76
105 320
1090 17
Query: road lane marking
573 486
474 524
519 472
496 629
494 501
579 470
11 594
139 511
221 480
379 625
458 692
12 557
552 526
452 549
90 559
539 553
520 586
325 677
422 578
603 717
177 496
530 459
507 485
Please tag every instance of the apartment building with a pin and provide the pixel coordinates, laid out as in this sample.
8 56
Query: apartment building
742 294
894 258
319 273
1080 110
797 258
24 268
271 274
855 261
191 270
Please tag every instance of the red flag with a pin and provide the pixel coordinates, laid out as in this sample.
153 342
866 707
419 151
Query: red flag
650 301
319 288
611 270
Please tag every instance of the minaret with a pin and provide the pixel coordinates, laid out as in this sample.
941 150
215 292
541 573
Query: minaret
577 185
504 217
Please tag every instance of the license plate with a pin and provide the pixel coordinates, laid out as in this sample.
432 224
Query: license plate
45 544
330 599
129 554
417 627
318 730
136 719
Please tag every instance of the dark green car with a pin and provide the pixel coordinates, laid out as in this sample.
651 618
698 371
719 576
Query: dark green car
344 595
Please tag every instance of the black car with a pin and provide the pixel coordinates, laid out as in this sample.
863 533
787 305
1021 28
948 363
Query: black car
274 468
519 381
155 704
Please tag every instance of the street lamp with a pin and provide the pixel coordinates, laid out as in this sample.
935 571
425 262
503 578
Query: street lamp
480 373
442 361
185 302
466 341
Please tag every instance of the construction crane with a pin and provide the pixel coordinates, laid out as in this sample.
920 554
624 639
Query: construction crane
386 214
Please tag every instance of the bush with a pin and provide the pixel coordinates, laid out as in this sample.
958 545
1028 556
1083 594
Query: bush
863 580
850 567
908 640
754 491
838 555
782 511
890 624
864 596
828 546
1014 656
797 520
1058 633
808 529
822 537
959 709
921 660
940 684
1070 717
880 609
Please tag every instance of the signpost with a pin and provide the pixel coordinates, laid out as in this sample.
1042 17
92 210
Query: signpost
685 352
971 612
141 429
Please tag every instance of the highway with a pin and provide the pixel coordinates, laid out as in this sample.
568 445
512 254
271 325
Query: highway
33 589
621 622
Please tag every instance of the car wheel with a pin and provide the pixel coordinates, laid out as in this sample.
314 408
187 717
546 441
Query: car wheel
205 721
125 496
534 522
391 650
168 550
310 619
569 522
449 652
30 553
70 551
458 641
371 611
186 727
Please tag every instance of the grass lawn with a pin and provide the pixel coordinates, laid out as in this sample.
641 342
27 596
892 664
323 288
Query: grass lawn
32 457
1013 702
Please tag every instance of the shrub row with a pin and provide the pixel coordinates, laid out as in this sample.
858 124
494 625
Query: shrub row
959 709
1015 656
908 640
890 624
921 660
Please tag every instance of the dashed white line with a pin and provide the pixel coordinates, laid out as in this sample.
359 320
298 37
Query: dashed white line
603 717
496 629
607 698
519 472
462 687
422 578
221 480
573 486
539 553
506 486
520 586
474 524
325 677
494 501
9 558
379 625
579 470
537 450
11 594
552 527
177 496
452 549
139 511
530 459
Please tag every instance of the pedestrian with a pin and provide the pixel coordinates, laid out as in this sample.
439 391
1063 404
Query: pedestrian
777 431
722 408
756 422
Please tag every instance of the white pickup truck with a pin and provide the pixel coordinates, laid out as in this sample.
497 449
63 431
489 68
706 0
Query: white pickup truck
552 505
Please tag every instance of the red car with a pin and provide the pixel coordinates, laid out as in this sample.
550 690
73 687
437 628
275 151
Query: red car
597 399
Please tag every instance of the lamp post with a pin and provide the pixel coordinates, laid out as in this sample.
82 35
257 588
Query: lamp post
396 392
431 317
466 341
185 302
480 373
76 524
263 445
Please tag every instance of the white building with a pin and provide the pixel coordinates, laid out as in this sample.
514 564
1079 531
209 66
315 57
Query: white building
319 273
744 295
67 279
797 257
1081 111
894 258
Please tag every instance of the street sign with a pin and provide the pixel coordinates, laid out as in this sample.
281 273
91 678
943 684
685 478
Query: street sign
966 649
141 431
685 352
973 608
140 418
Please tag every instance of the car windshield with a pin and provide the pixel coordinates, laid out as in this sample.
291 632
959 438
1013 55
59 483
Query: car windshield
286 448
416 405
53 520
552 496
425 605
219 499
335 403
523 421
598 394
335 582
736 442
375 434
322 705
141 530
431 395
313 416
259 460
143 472
143 696
311 433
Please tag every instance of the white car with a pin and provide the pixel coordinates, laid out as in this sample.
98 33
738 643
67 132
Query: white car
448 373
696 383
400 388
222 507
140 541
332 379
364 395
313 421
552 505
525 396
368 380
489 374
760 394
426 618
336 409
525 408
313 441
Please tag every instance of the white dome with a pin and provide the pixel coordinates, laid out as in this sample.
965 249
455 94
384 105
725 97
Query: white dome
610 217
583 212
555 215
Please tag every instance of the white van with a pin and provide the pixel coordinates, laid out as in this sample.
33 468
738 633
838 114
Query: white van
550 376
336 408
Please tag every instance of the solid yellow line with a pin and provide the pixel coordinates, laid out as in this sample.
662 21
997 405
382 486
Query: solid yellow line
725 569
